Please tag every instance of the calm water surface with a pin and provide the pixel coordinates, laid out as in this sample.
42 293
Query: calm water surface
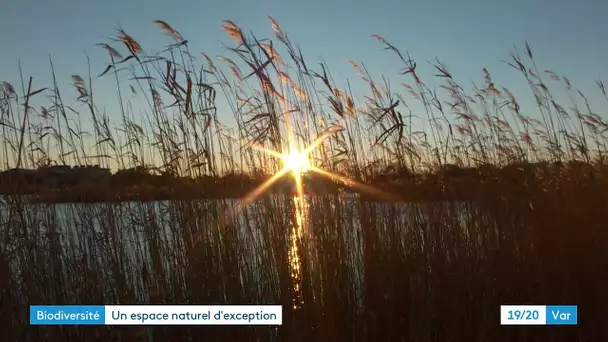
136 233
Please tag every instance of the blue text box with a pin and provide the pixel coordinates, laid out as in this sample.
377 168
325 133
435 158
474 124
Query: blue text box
67 315
562 315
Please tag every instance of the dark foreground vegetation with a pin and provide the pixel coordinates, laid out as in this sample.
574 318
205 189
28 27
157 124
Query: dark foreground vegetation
366 271
511 209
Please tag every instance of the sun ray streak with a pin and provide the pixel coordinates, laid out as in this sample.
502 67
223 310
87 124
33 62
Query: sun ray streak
316 143
304 152
320 139
271 152
260 189
366 188
299 186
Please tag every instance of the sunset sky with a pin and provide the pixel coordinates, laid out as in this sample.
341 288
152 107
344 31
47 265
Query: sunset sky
567 37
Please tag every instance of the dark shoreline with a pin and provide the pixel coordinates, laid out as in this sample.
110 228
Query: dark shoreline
450 183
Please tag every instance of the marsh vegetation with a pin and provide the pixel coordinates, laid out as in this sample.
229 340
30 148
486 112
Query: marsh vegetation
426 233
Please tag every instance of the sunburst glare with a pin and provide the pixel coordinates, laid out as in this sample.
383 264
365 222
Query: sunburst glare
297 162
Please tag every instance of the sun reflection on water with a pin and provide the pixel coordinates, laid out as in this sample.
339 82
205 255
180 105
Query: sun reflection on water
301 222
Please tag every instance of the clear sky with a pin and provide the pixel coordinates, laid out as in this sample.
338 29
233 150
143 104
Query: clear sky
467 35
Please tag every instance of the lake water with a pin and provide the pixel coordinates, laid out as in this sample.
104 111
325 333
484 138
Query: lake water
142 235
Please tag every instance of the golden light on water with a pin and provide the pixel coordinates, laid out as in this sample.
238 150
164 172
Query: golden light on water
295 263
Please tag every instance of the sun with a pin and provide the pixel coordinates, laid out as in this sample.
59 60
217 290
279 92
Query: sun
297 162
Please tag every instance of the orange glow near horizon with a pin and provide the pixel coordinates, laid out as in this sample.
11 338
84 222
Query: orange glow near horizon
298 162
